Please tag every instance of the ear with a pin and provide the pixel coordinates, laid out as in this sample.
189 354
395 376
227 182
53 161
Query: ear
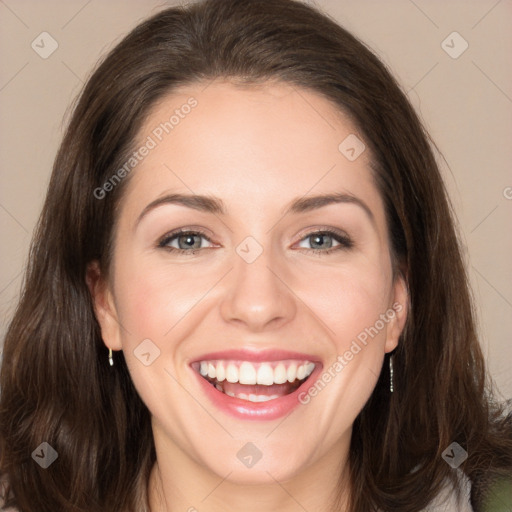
397 312
104 306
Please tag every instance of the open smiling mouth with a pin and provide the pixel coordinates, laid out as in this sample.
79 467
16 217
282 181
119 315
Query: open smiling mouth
255 382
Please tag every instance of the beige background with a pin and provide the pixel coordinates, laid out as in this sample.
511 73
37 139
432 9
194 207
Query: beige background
465 103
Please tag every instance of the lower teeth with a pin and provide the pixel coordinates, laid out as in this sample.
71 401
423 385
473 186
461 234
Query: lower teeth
250 398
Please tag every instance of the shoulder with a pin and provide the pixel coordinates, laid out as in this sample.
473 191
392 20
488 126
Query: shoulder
2 509
3 490
10 509
448 500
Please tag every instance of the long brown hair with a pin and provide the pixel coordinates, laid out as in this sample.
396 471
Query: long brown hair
56 385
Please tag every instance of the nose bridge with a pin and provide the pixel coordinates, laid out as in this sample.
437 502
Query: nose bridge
257 295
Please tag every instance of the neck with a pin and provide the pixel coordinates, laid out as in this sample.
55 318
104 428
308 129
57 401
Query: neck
195 488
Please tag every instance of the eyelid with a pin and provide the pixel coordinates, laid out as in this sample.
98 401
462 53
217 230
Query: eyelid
311 230
187 229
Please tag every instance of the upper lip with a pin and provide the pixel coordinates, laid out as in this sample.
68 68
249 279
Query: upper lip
266 355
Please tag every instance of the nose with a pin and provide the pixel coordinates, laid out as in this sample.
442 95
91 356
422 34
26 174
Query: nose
257 295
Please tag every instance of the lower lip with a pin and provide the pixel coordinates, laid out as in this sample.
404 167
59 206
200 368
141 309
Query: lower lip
259 411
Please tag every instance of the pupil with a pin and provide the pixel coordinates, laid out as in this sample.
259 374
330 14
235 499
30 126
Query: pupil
321 238
189 242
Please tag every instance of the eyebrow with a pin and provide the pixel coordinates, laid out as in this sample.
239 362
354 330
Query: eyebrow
210 204
196 202
306 204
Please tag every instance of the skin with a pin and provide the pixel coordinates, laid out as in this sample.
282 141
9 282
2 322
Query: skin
257 148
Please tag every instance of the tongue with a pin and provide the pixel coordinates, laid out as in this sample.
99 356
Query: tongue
258 389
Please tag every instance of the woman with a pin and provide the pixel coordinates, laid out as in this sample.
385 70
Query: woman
245 290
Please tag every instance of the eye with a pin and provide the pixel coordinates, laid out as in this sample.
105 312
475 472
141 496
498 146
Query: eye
183 241
323 241
189 242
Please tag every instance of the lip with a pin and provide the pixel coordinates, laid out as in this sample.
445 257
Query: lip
256 356
256 411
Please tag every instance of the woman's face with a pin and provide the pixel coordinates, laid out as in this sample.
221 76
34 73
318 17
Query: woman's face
256 337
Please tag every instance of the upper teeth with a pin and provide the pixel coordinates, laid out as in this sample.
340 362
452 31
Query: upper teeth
244 372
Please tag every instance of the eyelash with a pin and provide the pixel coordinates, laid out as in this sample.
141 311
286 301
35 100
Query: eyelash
344 241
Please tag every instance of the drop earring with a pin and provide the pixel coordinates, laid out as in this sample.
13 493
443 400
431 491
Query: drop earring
110 359
391 374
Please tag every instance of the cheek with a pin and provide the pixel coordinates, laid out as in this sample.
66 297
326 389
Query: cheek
349 300
150 302
154 299
351 306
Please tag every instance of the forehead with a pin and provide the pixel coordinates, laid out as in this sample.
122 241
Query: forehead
257 145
